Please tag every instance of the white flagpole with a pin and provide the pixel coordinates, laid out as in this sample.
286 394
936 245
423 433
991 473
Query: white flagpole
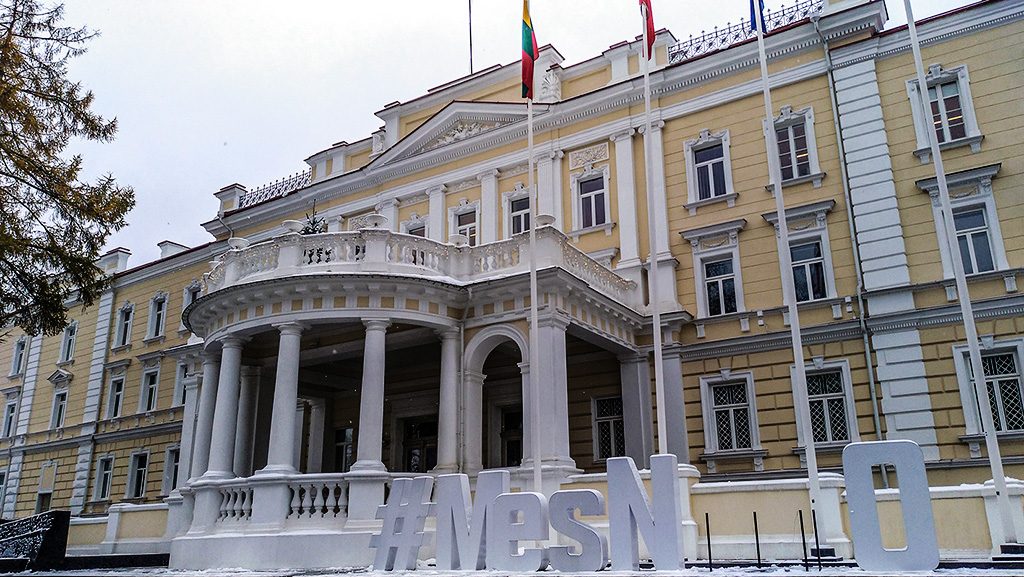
966 307
535 383
803 408
652 264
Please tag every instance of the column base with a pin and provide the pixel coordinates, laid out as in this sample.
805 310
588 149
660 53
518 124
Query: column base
553 475
366 490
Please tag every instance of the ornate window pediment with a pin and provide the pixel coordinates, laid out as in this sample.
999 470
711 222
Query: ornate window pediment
60 378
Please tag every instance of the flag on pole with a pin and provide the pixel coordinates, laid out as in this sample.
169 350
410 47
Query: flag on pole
645 9
530 54
756 14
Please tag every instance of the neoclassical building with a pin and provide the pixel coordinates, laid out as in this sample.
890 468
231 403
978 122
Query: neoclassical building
269 386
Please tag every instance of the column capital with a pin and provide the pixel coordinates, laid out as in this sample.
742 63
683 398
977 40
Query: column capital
548 156
191 383
622 135
524 367
291 328
208 357
377 324
655 126
447 333
557 321
493 173
233 341
386 203
438 189
632 358
474 377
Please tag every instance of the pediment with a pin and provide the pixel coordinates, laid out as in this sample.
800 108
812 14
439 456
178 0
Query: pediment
454 124
60 378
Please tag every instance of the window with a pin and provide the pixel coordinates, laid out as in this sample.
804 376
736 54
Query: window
150 382
798 155
948 113
465 224
416 225
190 294
731 412
157 314
137 475
3 487
720 286
828 407
972 237
10 417
67 346
419 229
344 449
609 428
104 475
60 407
592 202
47 479
808 271
1005 393
171 460
730 419
718 278
116 400
179 384
19 355
123 334
519 213
708 170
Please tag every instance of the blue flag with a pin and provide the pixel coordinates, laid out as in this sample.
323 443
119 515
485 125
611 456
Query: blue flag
756 16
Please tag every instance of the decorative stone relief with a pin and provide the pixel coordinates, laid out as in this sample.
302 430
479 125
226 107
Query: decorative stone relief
378 141
461 130
590 155
551 86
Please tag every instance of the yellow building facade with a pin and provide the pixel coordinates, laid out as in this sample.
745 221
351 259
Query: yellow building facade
275 393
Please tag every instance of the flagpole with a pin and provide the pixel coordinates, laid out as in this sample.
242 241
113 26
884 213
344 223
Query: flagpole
652 264
534 301
470 5
966 307
789 293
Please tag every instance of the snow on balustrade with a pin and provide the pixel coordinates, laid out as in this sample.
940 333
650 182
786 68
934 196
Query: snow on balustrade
420 252
326 248
721 38
236 502
497 256
315 497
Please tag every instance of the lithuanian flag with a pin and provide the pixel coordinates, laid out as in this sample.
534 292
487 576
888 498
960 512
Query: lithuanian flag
529 51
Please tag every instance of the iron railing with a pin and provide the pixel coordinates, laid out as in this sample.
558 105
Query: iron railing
278 188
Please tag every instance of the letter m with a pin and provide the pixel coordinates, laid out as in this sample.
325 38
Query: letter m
462 531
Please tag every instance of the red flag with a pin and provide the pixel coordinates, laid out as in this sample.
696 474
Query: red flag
649 16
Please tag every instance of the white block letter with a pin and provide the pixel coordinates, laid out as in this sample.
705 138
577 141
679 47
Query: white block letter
629 511
506 531
594 549
462 534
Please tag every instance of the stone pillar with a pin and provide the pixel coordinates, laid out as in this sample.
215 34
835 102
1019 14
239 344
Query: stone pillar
368 474
667 290
245 431
524 376
448 402
548 380
297 440
280 457
635 375
625 187
549 186
317 422
189 426
389 208
473 422
225 417
489 206
675 410
436 214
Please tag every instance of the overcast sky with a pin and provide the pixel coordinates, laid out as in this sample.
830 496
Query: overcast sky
208 93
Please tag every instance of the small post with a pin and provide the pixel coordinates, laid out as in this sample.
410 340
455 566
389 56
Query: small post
803 541
757 541
707 537
817 546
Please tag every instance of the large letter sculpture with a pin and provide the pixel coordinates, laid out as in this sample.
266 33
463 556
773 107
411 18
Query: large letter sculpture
516 517
922 550
594 547
404 515
461 533
629 510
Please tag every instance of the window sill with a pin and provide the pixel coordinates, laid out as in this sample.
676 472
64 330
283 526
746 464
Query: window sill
121 348
729 199
15 376
925 154
606 227
975 441
66 363
832 448
155 339
755 455
815 178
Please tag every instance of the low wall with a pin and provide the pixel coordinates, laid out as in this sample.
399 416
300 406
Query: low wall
85 535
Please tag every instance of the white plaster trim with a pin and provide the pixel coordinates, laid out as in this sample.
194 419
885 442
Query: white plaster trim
707 139
712 243
464 207
789 117
922 117
961 361
843 366
707 411
517 193
589 171
809 223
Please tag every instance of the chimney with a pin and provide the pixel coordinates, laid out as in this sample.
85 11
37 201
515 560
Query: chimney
230 197
114 261
170 248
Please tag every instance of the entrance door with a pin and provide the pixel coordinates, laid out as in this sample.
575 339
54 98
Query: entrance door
419 444
511 436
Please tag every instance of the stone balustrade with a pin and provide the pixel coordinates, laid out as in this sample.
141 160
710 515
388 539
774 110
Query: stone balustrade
380 251
315 497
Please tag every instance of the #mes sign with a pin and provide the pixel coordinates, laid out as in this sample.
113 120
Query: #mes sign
485 533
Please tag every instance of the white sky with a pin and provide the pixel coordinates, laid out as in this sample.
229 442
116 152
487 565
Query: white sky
208 93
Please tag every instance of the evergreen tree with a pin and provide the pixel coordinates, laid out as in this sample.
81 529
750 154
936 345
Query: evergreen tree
52 224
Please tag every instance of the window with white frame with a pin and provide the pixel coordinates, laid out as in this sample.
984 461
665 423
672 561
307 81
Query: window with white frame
418 229
179 383
808 270
19 356
416 225
104 478
190 294
10 418
171 459
716 267
1004 384
150 383
793 131
592 198
47 480
609 428
67 345
463 219
115 400
123 328
731 413
810 251
979 238
948 112
826 396
137 471
60 408
157 316
708 169
519 214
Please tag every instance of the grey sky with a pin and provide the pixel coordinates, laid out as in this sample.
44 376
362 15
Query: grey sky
213 92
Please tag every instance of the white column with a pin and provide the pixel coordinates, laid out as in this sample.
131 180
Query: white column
488 206
667 290
625 190
189 424
280 455
472 422
635 376
389 208
436 214
448 402
549 186
225 415
675 409
371 398
524 377
549 380
317 422
244 430
204 421
297 440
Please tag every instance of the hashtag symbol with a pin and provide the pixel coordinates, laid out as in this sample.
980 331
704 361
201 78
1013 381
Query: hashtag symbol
398 544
